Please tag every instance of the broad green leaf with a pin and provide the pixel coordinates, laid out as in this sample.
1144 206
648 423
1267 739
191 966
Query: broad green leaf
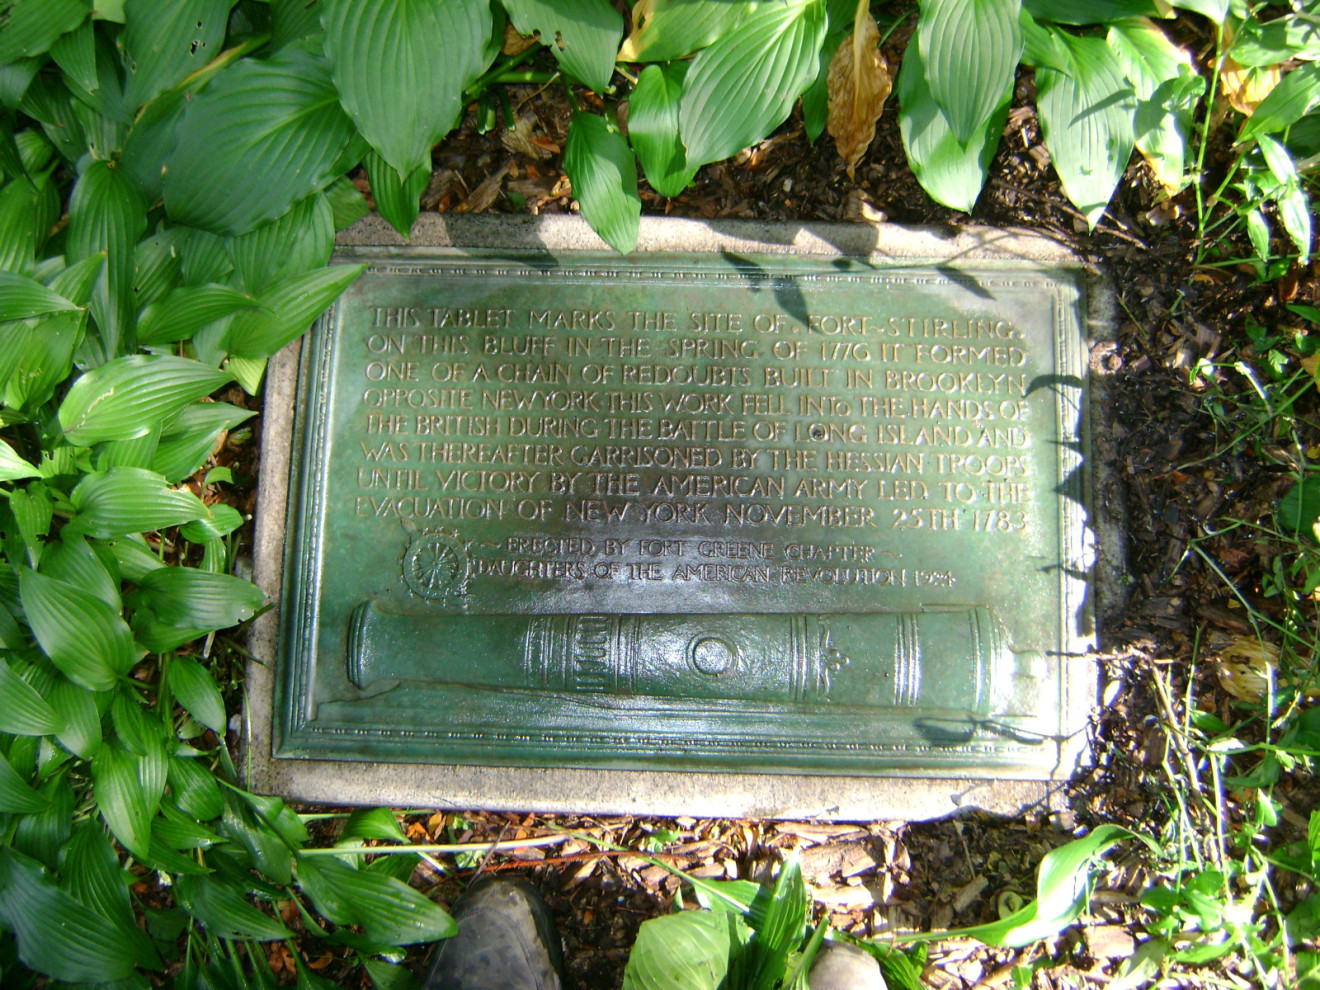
179 831
970 49
952 173
195 789
186 310
204 256
1167 89
685 951
139 452
195 689
164 43
107 214
76 281
224 911
388 976
49 101
389 911
401 67
95 877
1215 10
292 21
18 227
16 795
288 309
583 35
1258 45
278 815
125 501
126 795
603 171
1296 95
102 109
33 513
185 596
297 242
72 560
266 850
272 128
224 520
188 439
152 140
57 935
22 297
672 29
779 916
83 636
743 86
653 127
37 356
31 26
138 733
397 198
248 372
12 466
76 708
346 203
126 397
372 823
42 835
157 264
1087 119
1090 11
75 54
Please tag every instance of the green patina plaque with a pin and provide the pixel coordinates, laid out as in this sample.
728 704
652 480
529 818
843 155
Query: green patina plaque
712 511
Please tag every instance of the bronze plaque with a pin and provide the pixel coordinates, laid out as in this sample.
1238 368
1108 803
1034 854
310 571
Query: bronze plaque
715 511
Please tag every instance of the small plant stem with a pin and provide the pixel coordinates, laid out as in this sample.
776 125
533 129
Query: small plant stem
572 100
493 74
1205 138
524 76
448 849
1175 731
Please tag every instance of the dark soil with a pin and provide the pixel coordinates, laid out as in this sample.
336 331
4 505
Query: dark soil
1179 484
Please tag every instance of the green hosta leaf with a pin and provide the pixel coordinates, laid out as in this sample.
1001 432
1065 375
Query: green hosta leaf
186 310
16 795
685 951
75 54
33 512
401 67
970 49
653 127
31 26
137 452
287 310
603 171
76 281
128 788
743 86
389 911
83 636
248 372
188 439
373 823
125 501
397 197
12 466
224 911
195 789
951 172
58 935
224 520
107 214
204 256
22 297
584 35
1167 89
72 560
346 203
1090 11
133 729
18 227
1087 118
128 396
388 976
77 709
184 596
41 353
95 878
297 242
194 688
779 916
42 835
49 101
1296 95
279 816
1215 10
670 29
292 21
272 128
1258 45
164 43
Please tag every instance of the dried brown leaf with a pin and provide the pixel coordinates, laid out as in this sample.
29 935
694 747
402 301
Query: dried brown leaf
857 83
641 15
1244 88
515 43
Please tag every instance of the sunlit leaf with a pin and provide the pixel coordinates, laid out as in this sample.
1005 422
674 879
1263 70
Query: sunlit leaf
583 35
297 242
858 84
671 29
12 466
970 49
388 911
688 950
1296 95
397 197
272 128
653 127
128 396
603 171
287 309
401 67
124 501
187 309
743 86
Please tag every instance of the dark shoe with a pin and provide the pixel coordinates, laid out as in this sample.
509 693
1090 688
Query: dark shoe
506 940
839 966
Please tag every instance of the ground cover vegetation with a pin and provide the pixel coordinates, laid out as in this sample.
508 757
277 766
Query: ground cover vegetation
173 177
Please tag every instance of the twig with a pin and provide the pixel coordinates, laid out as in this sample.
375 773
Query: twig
1184 754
